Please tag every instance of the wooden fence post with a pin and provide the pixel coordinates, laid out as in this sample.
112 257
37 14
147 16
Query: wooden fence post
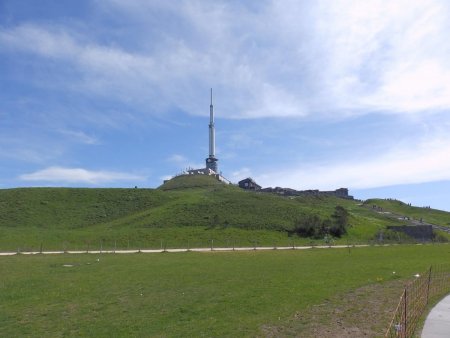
406 313
429 283
405 309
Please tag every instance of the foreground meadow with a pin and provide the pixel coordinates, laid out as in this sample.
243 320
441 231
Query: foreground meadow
198 294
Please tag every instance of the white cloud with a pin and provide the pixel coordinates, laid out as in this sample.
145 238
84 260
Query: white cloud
414 88
101 68
426 161
78 175
33 38
282 59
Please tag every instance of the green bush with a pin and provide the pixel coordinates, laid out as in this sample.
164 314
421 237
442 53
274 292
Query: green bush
339 221
440 238
314 227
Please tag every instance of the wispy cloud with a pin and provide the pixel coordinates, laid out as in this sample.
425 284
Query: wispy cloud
100 67
29 148
177 158
80 136
292 62
241 174
328 58
425 161
183 163
242 140
78 175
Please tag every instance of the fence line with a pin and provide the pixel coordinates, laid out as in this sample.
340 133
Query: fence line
415 298
189 249
160 243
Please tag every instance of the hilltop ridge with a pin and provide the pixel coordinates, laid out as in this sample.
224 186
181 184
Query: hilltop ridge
191 181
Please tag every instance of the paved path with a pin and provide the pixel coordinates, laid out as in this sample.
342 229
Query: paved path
437 324
410 221
11 253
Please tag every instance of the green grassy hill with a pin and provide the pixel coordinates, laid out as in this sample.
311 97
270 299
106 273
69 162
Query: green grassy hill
185 211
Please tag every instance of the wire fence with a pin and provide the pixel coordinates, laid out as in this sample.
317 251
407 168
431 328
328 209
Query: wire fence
415 298
173 246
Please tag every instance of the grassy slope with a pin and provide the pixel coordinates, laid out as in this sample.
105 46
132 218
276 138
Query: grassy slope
195 294
186 211
73 208
429 215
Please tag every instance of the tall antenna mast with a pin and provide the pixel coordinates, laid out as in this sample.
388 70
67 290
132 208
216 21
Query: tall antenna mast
211 161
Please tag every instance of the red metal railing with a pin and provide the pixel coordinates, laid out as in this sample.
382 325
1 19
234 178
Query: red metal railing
414 300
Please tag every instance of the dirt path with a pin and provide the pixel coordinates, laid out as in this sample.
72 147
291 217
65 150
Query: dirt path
12 253
365 312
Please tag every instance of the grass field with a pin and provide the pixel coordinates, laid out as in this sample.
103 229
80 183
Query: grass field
191 294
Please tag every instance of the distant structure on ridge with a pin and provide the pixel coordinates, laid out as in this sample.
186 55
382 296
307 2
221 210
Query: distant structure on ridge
250 184
211 161
211 167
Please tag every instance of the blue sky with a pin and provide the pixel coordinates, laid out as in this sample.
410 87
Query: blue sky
307 94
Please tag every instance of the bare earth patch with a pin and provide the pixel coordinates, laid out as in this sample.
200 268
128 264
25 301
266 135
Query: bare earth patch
365 312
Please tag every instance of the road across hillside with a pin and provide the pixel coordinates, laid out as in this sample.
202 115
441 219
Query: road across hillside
411 221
